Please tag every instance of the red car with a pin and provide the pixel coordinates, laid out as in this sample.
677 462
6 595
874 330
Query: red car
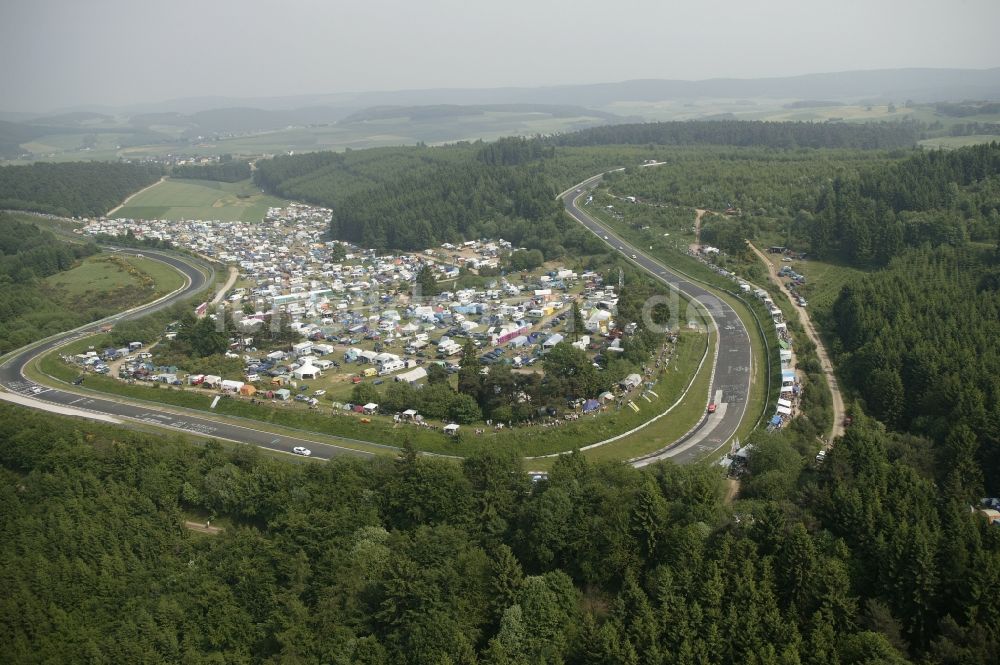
711 407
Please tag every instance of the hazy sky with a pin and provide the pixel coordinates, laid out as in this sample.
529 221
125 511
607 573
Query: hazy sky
63 53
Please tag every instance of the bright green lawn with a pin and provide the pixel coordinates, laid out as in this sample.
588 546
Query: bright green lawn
200 199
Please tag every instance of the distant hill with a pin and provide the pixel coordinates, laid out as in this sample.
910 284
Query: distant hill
917 84
444 115
440 111
71 119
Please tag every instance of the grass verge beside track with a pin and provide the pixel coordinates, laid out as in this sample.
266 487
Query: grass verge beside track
526 441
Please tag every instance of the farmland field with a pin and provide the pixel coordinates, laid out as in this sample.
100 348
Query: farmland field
951 142
200 199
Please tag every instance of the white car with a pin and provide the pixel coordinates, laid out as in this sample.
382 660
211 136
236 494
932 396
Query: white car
633 256
299 450
36 390
605 237
319 393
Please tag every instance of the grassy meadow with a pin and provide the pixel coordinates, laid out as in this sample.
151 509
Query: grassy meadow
200 199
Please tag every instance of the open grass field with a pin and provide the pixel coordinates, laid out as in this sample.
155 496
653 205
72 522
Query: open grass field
823 280
104 274
167 279
95 274
200 199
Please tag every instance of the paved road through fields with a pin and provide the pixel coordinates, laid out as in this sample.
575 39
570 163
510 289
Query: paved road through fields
732 371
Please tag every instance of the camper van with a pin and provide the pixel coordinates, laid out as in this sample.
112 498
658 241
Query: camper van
391 366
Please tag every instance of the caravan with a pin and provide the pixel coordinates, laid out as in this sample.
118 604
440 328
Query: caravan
391 366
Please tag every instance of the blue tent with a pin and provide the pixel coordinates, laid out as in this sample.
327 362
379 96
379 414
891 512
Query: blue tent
776 420
591 405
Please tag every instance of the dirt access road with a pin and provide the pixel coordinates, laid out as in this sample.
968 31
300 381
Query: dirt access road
233 274
132 196
824 358
698 214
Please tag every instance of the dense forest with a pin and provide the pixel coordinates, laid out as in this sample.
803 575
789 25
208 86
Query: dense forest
28 310
225 170
73 188
414 198
421 560
918 340
936 198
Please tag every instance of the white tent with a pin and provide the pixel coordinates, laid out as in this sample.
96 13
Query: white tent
412 376
306 371
784 402
451 430
784 410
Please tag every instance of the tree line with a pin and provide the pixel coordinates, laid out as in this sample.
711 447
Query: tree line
225 170
86 189
414 198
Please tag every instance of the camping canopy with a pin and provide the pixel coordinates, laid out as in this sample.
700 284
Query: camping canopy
591 405
776 420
